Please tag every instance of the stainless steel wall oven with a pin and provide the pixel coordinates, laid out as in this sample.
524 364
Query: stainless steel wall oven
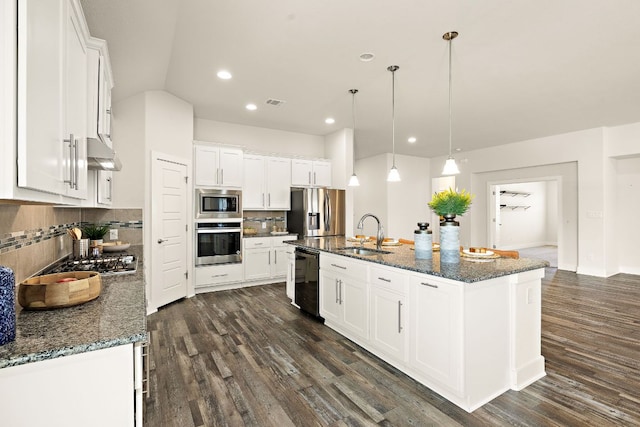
218 242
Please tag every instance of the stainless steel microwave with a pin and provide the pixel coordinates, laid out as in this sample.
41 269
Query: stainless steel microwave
218 203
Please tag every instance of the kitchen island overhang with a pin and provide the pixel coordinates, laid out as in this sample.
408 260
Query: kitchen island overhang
469 331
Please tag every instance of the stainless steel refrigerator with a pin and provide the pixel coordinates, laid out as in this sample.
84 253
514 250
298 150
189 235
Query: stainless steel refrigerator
316 212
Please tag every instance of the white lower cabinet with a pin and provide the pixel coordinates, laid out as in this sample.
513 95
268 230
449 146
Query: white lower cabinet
389 312
468 342
291 272
344 295
208 276
95 388
266 258
435 325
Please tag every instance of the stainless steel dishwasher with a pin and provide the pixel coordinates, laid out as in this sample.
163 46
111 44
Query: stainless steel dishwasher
307 281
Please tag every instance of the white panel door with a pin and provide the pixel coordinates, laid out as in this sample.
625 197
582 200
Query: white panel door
169 232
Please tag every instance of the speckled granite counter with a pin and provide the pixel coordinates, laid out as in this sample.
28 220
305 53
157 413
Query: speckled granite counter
248 236
115 318
467 270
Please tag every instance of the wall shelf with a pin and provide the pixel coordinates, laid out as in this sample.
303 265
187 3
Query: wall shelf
514 193
514 207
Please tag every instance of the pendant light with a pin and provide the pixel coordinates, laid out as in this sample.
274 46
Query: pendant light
394 175
450 166
353 181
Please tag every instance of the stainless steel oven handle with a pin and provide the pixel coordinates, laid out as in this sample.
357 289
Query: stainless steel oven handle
221 231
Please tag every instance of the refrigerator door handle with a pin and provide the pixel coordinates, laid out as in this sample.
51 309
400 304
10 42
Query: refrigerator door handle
327 211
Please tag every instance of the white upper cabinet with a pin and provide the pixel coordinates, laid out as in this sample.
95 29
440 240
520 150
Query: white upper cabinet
51 97
310 173
99 86
266 183
217 166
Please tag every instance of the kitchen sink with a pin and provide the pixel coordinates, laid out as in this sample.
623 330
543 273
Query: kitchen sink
357 250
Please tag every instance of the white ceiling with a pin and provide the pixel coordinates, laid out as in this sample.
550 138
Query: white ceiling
521 69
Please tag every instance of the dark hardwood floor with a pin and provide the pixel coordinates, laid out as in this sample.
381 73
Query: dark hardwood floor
247 357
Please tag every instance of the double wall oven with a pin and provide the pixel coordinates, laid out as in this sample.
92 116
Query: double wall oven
218 227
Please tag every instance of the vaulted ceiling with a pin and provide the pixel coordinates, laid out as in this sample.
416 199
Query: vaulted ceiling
520 69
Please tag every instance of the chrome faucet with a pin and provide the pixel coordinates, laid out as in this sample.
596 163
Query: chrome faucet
380 235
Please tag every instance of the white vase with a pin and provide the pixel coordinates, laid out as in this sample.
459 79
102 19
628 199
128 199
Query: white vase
449 239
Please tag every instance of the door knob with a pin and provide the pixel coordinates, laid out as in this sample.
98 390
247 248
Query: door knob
161 240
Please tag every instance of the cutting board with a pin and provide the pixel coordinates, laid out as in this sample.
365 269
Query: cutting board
45 292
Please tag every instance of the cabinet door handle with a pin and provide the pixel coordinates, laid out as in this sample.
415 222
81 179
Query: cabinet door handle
314 178
338 266
219 275
258 244
337 300
146 363
340 287
263 199
269 200
429 285
309 177
275 257
71 142
269 258
76 168
109 181
384 280
221 176
399 316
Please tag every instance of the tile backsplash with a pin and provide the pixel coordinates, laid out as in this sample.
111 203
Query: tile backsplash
34 236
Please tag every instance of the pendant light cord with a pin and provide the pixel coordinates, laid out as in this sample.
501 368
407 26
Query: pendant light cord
393 114
353 118
450 126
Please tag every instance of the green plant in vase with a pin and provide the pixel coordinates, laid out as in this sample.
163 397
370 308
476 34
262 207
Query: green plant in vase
449 202
94 232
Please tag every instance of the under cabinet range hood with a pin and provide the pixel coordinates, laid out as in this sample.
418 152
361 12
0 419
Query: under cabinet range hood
100 156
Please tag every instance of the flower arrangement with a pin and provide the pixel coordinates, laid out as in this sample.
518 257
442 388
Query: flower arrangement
94 232
450 202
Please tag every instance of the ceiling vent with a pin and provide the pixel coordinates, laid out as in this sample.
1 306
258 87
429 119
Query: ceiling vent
274 102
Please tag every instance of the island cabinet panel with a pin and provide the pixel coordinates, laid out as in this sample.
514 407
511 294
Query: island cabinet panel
87 389
344 296
389 312
435 325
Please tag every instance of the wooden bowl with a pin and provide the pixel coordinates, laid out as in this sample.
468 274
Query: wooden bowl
59 290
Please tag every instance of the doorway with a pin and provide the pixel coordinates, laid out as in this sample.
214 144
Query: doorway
525 216
169 230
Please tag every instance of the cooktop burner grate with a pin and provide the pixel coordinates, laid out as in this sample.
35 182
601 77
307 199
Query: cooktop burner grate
106 264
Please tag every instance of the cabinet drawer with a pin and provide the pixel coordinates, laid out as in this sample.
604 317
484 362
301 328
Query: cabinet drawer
257 242
344 265
218 274
389 278
279 240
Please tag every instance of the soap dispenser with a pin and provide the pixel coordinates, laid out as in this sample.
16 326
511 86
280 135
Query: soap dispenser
423 241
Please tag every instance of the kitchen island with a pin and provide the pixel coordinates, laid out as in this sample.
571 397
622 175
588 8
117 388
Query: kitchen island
78 365
469 331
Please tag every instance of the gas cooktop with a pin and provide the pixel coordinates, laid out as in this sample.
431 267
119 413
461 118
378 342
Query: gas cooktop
105 264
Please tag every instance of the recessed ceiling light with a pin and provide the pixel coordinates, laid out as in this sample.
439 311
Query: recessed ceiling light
329 120
366 57
224 75
412 139
251 107
458 149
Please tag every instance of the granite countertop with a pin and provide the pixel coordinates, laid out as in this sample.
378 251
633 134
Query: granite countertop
268 234
468 270
117 317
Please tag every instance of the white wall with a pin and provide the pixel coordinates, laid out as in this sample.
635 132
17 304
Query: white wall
523 222
626 219
399 205
260 140
371 195
128 135
339 148
551 237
